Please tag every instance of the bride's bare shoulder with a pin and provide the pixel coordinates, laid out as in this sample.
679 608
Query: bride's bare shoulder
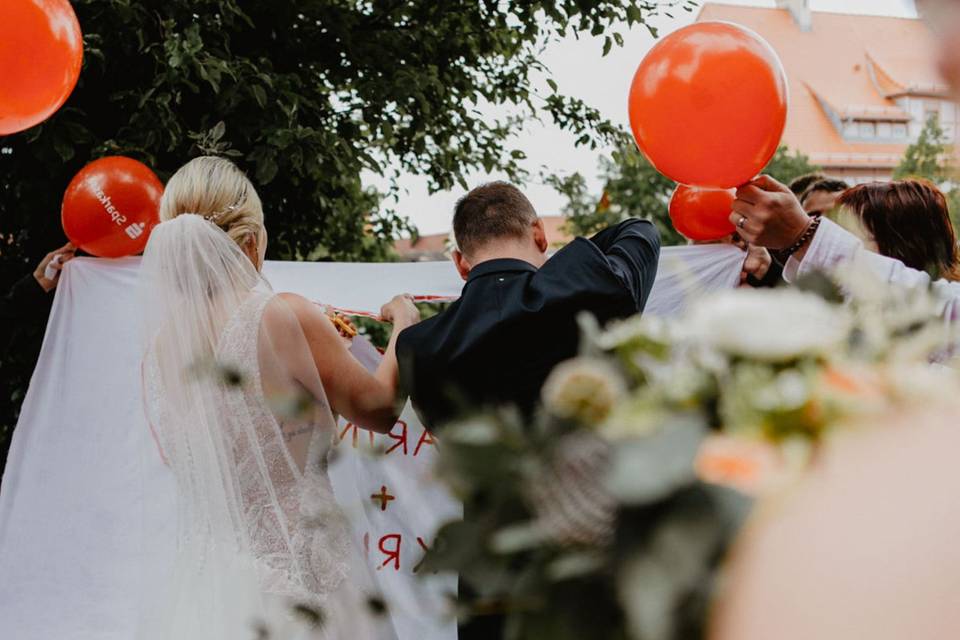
309 314
294 300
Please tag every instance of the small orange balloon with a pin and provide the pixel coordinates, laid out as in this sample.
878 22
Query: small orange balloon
708 105
702 214
111 206
41 52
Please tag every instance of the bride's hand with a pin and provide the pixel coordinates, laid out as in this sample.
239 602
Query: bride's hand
400 311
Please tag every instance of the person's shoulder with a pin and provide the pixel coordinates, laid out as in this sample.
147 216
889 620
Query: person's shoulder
577 254
292 303
417 336
308 314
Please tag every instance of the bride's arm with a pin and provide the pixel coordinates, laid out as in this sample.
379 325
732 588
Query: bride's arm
366 399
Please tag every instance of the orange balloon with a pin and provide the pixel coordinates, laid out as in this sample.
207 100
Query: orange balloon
41 51
702 214
708 105
111 206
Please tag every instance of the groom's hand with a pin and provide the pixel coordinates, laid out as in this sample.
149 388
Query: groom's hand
400 311
757 264
767 214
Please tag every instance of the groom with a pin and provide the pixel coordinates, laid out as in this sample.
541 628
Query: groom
516 318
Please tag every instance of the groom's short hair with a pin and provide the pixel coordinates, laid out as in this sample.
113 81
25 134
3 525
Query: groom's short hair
489 212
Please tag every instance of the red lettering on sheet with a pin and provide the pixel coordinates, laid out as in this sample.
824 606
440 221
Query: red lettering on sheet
354 432
423 545
384 497
392 555
401 440
425 438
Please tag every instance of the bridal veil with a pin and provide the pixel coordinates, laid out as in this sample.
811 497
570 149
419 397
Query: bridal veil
239 415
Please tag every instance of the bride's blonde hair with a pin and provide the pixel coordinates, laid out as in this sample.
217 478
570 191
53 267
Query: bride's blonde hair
217 190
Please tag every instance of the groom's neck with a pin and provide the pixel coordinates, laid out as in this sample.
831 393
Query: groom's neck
509 250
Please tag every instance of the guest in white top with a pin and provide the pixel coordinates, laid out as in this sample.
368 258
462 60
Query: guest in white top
768 214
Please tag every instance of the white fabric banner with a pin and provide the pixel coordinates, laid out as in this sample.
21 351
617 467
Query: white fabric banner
78 489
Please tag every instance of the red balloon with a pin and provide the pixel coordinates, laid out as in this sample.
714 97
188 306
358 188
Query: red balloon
41 51
708 105
702 214
111 206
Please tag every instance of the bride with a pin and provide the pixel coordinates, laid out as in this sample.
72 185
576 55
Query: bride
242 387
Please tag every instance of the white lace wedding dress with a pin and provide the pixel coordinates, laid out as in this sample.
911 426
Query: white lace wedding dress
239 414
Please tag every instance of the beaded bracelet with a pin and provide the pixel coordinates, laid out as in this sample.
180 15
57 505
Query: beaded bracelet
803 239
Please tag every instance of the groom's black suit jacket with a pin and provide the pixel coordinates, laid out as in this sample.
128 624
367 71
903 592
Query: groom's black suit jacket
514 323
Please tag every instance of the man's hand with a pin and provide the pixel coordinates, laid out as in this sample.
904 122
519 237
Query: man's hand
400 311
767 214
67 252
757 263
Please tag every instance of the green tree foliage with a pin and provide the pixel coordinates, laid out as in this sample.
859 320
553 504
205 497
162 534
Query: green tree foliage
305 95
633 188
930 158
787 165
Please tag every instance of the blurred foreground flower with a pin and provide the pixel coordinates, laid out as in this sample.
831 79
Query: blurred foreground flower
583 389
771 326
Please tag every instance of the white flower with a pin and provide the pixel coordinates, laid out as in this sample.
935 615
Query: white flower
643 328
584 389
768 325
921 383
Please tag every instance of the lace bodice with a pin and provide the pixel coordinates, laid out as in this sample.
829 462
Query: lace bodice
286 516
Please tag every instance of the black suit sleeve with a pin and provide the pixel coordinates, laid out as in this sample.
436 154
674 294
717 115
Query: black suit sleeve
632 249
26 301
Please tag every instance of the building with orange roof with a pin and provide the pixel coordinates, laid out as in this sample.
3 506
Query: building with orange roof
861 87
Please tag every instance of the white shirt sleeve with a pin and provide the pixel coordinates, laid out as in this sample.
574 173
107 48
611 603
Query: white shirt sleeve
832 244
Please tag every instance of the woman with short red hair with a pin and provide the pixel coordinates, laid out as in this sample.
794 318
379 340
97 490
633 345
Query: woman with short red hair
908 220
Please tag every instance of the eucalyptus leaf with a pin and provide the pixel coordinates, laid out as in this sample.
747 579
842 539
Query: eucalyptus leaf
648 469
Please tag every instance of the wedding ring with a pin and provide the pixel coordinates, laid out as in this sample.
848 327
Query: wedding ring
742 221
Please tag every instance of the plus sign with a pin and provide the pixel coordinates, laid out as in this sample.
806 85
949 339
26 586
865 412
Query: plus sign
383 497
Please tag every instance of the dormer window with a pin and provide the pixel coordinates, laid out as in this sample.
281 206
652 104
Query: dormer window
875 130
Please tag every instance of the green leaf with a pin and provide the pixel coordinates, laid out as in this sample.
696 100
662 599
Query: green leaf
259 95
216 133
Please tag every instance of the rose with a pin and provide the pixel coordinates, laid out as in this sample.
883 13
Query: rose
583 389
770 326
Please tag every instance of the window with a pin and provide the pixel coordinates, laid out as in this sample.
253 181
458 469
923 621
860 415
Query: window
899 130
868 130
884 130
850 129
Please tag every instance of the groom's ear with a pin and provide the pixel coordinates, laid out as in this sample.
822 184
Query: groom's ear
463 267
540 236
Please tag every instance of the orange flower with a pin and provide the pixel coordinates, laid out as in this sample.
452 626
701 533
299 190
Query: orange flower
746 465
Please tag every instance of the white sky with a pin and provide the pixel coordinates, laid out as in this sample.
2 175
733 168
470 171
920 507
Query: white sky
581 71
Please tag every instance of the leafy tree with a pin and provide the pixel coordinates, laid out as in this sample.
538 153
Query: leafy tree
787 165
304 95
928 157
633 188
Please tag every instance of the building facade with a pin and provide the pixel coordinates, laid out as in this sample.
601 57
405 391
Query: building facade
861 87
